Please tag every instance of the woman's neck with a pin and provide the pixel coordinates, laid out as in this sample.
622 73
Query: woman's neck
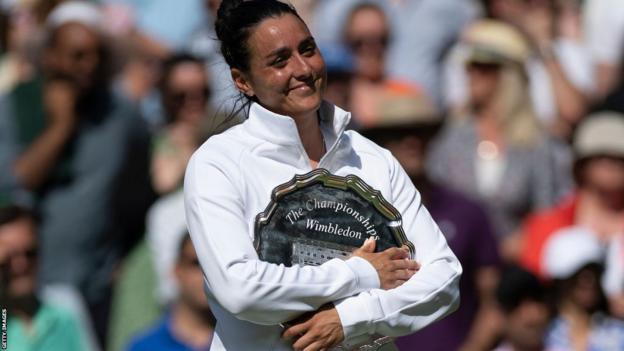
593 213
310 134
579 322
488 127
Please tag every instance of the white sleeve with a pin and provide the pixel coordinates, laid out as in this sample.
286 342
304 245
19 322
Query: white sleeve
604 30
250 289
432 293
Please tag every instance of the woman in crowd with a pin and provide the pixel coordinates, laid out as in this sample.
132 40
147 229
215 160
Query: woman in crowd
275 63
494 149
573 257
185 93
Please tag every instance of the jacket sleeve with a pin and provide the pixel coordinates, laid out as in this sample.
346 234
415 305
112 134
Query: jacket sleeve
251 289
429 295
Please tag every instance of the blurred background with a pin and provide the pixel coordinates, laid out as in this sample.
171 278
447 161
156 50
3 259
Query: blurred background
508 115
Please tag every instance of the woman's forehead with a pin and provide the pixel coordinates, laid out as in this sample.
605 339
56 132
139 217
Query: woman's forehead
277 32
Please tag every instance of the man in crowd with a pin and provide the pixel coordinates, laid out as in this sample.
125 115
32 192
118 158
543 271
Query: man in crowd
522 299
190 324
33 323
82 152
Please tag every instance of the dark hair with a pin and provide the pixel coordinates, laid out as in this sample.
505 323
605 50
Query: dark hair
4 32
362 7
236 18
168 66
176 59
13 213
516 286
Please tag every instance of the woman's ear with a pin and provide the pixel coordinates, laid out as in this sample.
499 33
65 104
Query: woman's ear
241 82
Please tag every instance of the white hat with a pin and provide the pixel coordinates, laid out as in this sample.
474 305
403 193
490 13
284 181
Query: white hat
83 12
601 133
570 249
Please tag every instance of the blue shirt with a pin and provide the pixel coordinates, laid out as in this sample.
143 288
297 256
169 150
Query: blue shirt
161 338
606 334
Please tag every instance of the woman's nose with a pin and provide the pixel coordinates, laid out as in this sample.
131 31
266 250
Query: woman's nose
302 68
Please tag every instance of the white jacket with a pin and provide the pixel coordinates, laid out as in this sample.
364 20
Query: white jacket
229 181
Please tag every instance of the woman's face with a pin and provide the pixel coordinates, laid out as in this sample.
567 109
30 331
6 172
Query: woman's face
286 70
187 93
367 35
483 82
604 176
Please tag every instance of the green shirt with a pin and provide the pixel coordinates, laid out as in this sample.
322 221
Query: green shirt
52 329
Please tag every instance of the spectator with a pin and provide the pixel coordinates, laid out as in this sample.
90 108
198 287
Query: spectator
495 150
185 93
83 152
405 126
367 34
423 32
190 324
339 63
558 64
224 99
573 257
597 203
34 323
522 299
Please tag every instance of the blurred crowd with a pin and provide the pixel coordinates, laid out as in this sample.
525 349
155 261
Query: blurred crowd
508 115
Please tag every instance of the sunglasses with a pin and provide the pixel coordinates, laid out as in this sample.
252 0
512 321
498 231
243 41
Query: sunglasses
359 43
179 97
483 67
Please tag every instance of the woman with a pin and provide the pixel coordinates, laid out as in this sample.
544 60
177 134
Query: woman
275 63
185 93
495 150
573 257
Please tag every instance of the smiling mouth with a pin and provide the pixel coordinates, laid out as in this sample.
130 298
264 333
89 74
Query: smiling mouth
302 87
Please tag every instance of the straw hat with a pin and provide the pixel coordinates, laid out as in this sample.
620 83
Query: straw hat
491 41
401 105
601 134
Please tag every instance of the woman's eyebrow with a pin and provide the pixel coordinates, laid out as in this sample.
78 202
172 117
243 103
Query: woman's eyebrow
307 41
278 52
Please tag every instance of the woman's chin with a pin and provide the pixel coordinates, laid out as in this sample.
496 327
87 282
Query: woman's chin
302 106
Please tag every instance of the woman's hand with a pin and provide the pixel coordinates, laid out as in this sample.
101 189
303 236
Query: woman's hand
319 330
393 265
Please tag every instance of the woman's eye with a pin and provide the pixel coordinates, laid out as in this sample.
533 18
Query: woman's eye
279 62
309 49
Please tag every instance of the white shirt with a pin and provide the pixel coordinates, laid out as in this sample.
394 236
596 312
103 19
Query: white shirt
229 181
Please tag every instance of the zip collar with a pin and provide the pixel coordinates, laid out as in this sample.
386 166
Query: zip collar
282 130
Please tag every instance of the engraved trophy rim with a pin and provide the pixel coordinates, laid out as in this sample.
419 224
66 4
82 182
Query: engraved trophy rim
327 179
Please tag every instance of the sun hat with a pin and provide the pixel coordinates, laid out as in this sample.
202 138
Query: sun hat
570 249
495 42
600 134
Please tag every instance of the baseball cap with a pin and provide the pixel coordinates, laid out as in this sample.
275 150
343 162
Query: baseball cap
570 249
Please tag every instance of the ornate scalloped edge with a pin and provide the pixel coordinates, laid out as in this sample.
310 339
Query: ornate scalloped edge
351 181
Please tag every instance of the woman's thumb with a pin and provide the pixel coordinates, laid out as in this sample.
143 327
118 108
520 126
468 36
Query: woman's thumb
369 245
